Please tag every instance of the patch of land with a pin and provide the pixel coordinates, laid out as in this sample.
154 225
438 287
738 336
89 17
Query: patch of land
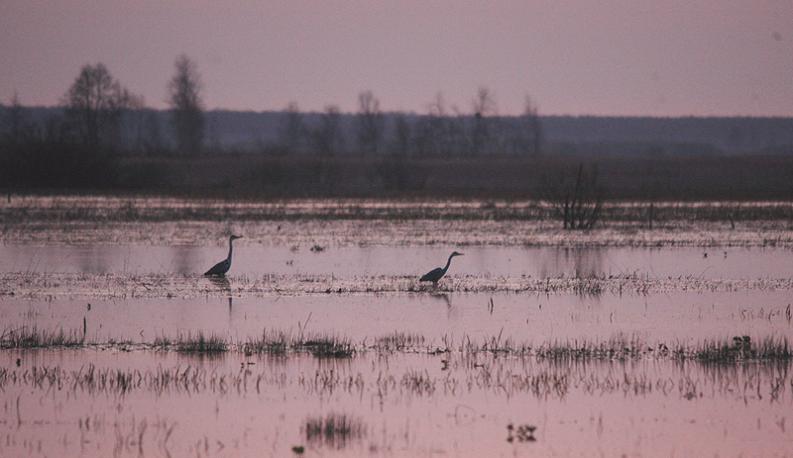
131 286
78 220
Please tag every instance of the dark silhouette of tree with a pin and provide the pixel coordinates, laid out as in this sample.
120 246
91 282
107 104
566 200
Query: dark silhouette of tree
152 141
434 130
15 123
328 137
184 97
532 127
370 123
576 199
402 135
94 104
293 130
484 106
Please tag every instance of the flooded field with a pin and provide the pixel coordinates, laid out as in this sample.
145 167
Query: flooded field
321 342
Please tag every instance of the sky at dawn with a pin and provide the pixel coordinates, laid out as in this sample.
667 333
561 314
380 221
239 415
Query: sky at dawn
614 57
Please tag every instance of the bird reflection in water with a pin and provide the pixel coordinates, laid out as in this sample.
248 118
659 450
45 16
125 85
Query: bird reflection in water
442 297
223 285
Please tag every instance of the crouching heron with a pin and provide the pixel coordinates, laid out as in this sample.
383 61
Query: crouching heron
437 273
223 266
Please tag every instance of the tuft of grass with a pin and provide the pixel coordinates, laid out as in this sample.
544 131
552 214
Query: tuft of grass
200 343
398 341
162 342
32 337
740 348
587 286
614 348
275 343
327 347
334 430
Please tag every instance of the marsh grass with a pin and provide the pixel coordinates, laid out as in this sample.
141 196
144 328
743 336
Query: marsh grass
328 347
284 343
619 348
126 286
740 348
32 337
275 343
280 343
399 341
333 430
201 343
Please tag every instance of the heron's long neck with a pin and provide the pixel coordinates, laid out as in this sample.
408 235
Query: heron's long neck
230 245
448 263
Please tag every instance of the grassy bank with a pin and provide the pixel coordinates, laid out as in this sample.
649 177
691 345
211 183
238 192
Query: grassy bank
270 176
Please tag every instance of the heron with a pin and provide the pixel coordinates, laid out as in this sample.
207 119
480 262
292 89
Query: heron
223 266
437 273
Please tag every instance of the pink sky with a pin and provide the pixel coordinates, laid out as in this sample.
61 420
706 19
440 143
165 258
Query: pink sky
614 57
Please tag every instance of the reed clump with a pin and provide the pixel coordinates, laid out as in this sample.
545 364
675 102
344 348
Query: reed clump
333 430
33 337
201 343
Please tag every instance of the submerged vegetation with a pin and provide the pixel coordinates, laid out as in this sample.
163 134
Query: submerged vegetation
283 343
739 348
201 343
33 285
32 337
333 430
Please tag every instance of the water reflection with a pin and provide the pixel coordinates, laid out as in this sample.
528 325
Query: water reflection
157 403
537 262
442 297
184 259
685 316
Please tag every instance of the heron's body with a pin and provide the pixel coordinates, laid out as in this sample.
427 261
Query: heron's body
437 273
223 266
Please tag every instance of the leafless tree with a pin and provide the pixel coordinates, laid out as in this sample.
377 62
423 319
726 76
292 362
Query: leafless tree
532 127
184 97
370 122
432 132
94 104
576 199
328 137
292 129
484 106
16 125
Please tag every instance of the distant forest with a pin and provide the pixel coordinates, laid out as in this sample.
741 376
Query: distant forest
268 131
103 137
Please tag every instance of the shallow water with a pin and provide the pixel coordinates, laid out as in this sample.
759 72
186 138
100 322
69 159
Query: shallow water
136 403
683 317
256 260
404 405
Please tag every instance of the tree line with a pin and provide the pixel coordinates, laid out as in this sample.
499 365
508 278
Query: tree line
97 108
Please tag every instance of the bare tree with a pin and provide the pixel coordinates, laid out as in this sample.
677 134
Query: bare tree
370 123
184 97
433 130
292 129
328 137
576 199
532 127
16 125
94 104
484 106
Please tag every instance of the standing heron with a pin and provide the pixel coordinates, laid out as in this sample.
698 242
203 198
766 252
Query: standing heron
223 266
437 273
